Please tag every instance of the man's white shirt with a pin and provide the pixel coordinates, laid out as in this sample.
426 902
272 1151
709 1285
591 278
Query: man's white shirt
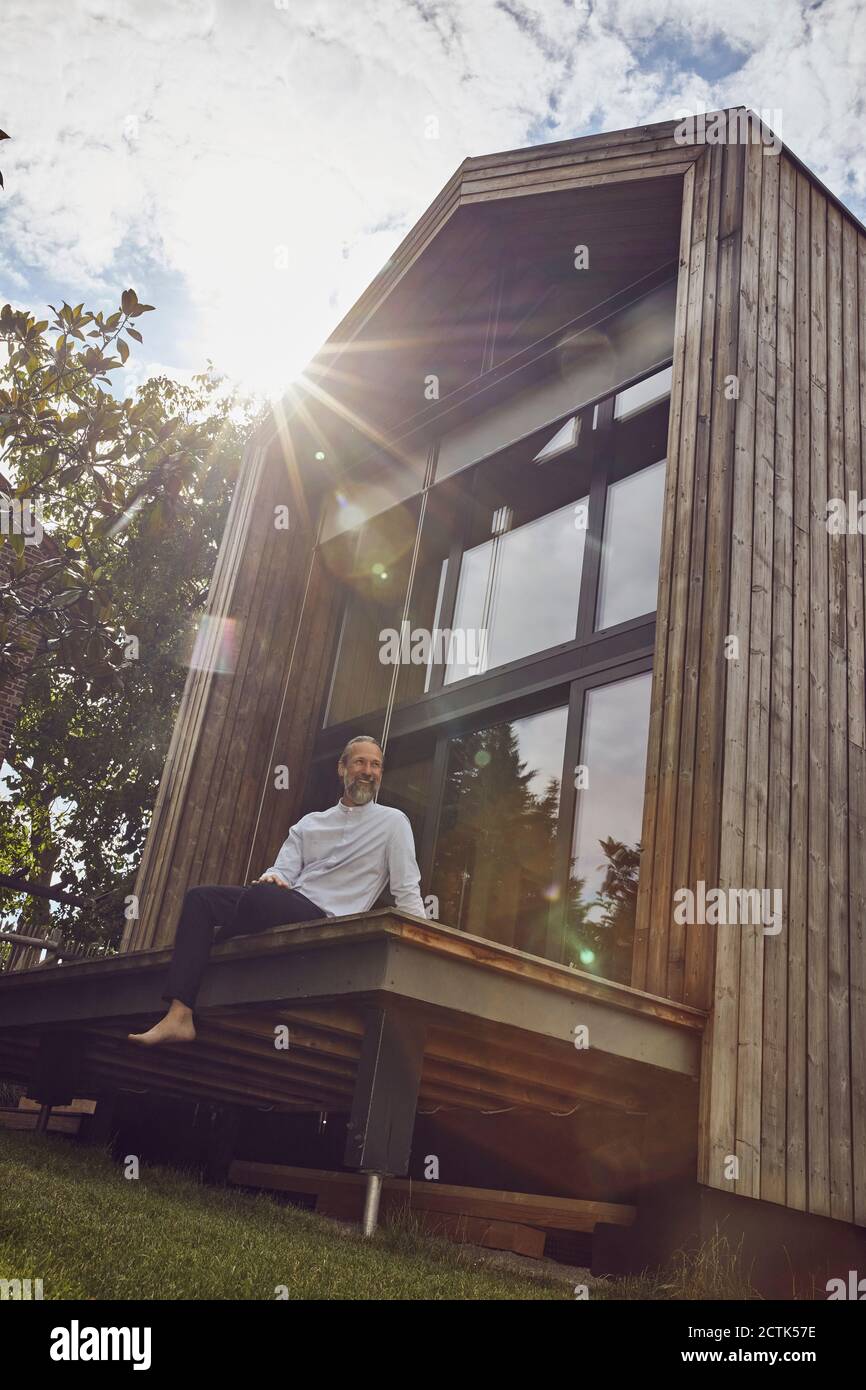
343 858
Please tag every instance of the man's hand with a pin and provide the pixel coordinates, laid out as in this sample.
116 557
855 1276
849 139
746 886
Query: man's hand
272 878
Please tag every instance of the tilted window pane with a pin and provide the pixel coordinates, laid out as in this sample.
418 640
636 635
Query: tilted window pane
629 578
602 888
643 394
518 593
375 577
565 438
494 871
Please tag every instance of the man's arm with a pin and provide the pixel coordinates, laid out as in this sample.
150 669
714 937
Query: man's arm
289 862
403 871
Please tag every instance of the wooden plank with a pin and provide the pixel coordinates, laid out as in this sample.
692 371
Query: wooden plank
296 722
154 872
839 1071
675 165
709 758
682 939
246 737
344 1203
752 937
225 755
533 176
853 483
602 141
79 1106
726 1033
209 696
857 924
645 920
488 953
775 1002
209 802
58 1122
668 778
492 1235
269 1079
819 740
798 890
561 1213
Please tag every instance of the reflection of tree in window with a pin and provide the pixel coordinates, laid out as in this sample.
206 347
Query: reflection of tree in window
604 855
495 862
601 932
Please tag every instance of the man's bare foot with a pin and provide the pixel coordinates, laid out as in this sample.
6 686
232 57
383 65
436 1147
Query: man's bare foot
176 1027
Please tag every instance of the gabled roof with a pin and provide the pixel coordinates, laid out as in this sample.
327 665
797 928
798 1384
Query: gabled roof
432 300
648 151
632 180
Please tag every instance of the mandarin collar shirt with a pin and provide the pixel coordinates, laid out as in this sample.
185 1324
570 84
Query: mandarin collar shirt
343 858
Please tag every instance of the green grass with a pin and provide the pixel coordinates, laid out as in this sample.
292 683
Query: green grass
714 1273
70 1217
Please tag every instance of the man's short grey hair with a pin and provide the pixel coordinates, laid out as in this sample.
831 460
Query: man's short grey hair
360 738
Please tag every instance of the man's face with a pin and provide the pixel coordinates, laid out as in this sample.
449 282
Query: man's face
361 772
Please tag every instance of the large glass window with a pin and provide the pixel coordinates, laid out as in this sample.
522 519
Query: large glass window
530 582
630 550
518 592
373 566
605 858
495 866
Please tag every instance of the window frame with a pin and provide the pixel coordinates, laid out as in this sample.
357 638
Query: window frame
562 675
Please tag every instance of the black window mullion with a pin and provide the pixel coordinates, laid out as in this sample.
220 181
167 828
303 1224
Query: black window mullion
449 593
430 835
558 915
602 447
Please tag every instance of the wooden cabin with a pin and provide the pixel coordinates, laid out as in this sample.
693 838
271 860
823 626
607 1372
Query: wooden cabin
569 456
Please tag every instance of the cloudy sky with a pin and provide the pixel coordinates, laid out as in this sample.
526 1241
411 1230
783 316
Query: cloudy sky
248 165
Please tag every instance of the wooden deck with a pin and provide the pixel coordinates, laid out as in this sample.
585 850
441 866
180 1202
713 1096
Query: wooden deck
499 1024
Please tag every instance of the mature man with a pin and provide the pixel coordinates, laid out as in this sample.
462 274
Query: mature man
333 863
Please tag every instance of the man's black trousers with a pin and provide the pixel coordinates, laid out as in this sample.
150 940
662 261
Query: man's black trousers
237 912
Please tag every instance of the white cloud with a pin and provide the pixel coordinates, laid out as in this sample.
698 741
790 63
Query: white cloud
206 137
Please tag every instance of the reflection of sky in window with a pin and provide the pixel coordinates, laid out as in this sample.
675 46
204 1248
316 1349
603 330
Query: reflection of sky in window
614 751
541 741
632 541
535 587
643 394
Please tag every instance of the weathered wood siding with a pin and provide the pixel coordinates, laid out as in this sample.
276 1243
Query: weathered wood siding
220 815
757 764
684 761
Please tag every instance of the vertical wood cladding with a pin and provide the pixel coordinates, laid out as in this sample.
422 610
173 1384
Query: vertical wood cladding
757 764
219 817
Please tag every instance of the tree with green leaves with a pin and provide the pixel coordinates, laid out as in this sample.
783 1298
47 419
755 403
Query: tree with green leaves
134 494
88 462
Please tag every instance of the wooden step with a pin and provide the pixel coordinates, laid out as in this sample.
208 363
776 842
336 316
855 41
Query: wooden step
58 1123
523 1208
75 1107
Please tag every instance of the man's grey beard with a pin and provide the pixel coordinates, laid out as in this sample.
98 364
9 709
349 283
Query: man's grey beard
359 792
